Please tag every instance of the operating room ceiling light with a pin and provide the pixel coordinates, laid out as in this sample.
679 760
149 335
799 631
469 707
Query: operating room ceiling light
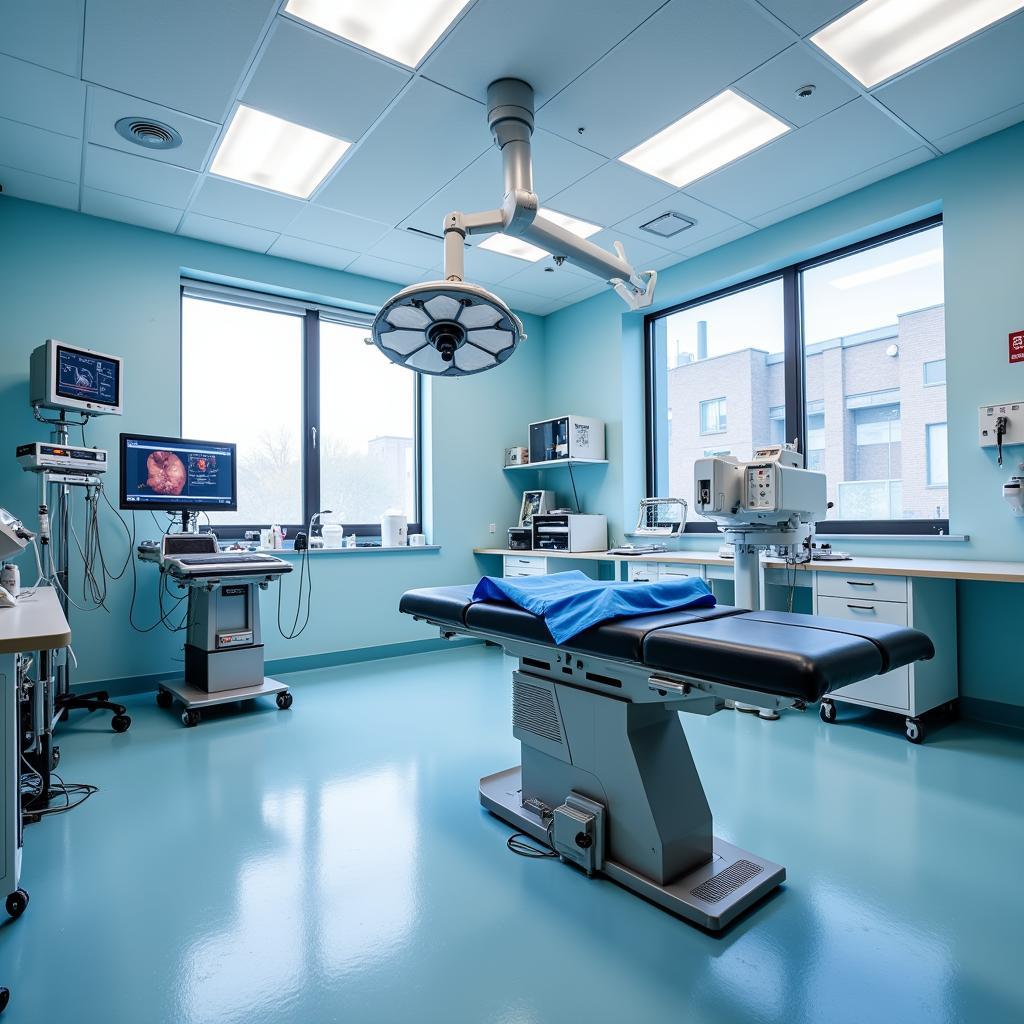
447 328
397 29
264 150
715 134
881 38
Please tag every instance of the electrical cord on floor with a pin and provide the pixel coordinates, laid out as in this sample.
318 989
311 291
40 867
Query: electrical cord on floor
305 582
66 790
522 845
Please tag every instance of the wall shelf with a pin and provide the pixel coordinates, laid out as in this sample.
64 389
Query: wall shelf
552 463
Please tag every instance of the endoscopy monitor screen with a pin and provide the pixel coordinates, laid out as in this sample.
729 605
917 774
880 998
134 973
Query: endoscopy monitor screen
172 473
87 376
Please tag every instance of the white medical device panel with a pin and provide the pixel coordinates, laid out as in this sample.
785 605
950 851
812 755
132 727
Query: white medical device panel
1012 415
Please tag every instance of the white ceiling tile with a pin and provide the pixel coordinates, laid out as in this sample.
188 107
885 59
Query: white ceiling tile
319 224
189 55
974 81
37 188
38 151
556 283
426 138
707 221
488 267
47 33
105 108
718 240
804 16
640 252
138 177
774 85
848 141
245 204
388 270
241 236
546 44
319 255
526 302
40 97
851 184
311 79
610 194
679 57
408 247
978 131
131 211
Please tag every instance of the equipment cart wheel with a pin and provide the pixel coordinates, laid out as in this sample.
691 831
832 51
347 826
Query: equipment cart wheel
190 717
17 901
163 699
915 730
284 700
827 711
120 723
54 758
5 998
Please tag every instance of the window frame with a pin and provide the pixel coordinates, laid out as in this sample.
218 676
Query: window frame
312 315
718 419
928 428
791 277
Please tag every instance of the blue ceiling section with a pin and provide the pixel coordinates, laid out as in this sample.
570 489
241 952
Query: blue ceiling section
420 144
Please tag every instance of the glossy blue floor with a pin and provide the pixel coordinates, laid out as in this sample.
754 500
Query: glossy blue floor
331 863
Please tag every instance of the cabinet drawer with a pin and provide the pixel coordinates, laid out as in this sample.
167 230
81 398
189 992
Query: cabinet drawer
524 570
856 585
642 572
679 571
889 691
525 562
861 609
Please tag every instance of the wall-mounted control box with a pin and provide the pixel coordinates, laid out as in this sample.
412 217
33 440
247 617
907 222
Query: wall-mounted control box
1012 416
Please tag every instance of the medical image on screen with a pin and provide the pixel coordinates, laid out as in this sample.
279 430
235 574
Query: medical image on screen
86 377
166 473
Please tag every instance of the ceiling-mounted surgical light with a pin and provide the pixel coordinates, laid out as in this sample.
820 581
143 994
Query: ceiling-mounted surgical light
450 328
447 328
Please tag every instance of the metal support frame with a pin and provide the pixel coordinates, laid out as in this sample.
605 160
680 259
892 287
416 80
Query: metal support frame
510 117
620 742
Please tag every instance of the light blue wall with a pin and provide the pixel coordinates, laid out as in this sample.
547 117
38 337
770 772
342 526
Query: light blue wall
114 287
594 365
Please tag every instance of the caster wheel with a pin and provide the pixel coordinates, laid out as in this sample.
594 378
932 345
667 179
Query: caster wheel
120 723
190 717
284 700
163 699
17 902
827 711
915 730
5 998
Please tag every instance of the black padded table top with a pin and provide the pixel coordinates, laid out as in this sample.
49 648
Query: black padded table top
780 653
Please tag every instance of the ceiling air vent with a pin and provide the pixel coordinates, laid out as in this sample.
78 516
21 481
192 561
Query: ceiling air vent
668 224
147 133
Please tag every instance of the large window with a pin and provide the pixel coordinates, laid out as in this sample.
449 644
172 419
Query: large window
321 419
845 355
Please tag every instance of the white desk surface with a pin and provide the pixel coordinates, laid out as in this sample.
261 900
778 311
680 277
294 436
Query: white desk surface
935 568
36 624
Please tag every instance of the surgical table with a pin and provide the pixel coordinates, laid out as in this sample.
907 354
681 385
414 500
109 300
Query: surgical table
607 779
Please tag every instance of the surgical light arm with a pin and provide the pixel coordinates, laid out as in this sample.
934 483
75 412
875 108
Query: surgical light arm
510 115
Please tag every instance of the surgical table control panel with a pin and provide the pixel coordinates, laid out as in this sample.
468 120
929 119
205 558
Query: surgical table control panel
607 778
223 645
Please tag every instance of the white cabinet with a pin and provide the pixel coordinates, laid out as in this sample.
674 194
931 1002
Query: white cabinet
923 603
526 565
654 572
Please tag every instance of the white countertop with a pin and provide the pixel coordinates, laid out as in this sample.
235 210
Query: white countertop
36 624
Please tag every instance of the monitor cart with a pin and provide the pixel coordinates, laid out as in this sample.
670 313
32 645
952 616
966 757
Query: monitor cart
223 647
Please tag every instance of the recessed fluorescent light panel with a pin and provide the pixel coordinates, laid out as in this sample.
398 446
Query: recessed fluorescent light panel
264 150
881 38
578 227
508 245
668 224
397 29
715 134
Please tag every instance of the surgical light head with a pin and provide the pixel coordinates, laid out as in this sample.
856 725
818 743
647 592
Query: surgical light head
447 328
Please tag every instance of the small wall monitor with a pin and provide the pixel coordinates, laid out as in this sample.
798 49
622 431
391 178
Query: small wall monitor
173 474
74 379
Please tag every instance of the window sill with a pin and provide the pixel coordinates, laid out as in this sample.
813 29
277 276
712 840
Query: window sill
912 538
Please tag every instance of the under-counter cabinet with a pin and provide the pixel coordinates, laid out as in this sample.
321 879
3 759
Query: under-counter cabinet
926 604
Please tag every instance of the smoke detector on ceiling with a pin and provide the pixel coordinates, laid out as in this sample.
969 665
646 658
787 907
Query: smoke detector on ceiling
668 224
149 134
